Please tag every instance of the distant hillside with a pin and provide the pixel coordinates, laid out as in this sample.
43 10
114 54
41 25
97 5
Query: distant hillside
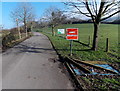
116 21
112 20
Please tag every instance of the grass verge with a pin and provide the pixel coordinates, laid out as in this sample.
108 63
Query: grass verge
81 49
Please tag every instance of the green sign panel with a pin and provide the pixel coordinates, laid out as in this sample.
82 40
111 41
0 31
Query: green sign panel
61 31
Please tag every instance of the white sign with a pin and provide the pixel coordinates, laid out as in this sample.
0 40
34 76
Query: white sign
61 31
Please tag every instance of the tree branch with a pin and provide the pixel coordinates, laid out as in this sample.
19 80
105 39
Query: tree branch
109 16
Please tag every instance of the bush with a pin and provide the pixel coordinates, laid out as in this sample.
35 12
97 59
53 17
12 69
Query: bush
7 40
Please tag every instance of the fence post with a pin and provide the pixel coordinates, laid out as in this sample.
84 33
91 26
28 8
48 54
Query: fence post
107 45
88 40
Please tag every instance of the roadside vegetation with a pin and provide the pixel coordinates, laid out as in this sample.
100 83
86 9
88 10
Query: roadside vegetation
23 13
103 83
10 38
81 48
82 51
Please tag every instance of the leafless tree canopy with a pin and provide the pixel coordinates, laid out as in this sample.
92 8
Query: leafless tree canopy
24 13
54 15
96 9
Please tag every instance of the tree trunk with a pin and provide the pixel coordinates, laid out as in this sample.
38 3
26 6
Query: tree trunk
31 28
18 31
25 26
53 33
26 30
95 37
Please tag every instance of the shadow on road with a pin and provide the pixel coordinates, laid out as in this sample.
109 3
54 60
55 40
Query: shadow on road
25 48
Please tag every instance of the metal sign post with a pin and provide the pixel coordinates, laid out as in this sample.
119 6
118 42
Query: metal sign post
72 34
71 47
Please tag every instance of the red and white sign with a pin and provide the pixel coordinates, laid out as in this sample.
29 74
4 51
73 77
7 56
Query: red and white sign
72 33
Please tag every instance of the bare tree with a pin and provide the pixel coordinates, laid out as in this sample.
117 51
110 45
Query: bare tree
97 10
18 28
24 13
55 17
31 25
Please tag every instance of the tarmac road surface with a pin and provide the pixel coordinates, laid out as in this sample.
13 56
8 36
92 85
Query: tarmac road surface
30 65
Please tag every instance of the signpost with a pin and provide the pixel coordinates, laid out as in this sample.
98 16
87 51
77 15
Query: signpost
71 34
61 31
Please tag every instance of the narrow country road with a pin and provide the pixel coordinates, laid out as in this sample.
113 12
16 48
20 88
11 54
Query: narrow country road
30 65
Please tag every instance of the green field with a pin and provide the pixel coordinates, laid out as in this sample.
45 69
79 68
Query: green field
80 49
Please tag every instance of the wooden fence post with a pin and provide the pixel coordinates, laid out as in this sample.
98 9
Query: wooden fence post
88 40
107 45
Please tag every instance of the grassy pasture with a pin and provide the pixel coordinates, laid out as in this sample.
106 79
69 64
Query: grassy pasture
82 52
